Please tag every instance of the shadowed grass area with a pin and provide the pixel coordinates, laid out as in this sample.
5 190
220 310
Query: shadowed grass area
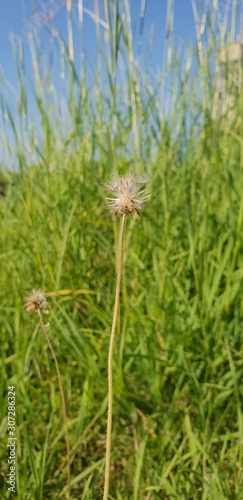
178 366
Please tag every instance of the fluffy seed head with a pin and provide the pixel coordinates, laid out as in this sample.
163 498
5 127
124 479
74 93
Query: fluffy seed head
36 301
127 195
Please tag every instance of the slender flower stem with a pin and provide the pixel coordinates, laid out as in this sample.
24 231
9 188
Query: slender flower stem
110 358
44 328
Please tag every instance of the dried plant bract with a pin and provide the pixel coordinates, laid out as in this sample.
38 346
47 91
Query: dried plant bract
36 301
127 195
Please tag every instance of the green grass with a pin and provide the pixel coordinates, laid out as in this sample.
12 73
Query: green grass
178 366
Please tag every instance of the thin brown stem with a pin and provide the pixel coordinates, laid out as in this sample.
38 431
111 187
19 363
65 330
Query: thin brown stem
110 358
44 328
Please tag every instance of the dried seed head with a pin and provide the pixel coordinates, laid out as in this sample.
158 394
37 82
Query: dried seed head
127 195
36 301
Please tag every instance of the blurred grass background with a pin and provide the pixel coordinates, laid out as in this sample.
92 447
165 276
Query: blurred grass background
178 423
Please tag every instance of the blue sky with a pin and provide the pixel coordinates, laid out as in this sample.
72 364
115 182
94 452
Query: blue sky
19 18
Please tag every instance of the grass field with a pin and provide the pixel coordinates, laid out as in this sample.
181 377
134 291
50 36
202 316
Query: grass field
178 364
